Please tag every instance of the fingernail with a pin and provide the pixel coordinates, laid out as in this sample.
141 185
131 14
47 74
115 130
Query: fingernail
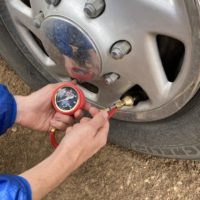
105 114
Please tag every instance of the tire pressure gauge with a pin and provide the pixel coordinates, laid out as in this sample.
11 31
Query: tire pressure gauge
68 98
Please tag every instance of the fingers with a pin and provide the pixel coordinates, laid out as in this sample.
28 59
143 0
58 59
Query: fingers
98 120
61 122
84 120
58 125
101 138
87 106
69 129
102 135
78 114
93 111
64 118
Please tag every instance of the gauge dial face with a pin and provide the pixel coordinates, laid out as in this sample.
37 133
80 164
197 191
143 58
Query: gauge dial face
66 99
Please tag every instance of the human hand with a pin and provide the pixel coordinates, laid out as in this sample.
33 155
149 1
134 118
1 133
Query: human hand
81 142
84 139
36 111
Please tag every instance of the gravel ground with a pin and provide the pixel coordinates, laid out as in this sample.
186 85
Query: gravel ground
113 174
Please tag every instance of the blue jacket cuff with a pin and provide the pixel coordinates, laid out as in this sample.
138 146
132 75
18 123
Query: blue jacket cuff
14 188
8 109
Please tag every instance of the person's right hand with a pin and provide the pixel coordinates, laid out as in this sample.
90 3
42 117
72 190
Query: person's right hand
86 138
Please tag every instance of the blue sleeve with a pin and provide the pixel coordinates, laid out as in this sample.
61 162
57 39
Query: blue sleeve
8 109
14 188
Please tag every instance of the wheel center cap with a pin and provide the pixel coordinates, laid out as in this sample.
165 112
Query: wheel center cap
71 48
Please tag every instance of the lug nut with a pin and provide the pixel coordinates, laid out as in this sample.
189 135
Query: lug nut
120 49
93 8
37 21
53 2
111 78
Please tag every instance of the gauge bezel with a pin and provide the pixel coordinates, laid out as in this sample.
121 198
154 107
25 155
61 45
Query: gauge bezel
80 102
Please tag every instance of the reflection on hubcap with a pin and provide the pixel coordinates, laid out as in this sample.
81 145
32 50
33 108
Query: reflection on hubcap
71 48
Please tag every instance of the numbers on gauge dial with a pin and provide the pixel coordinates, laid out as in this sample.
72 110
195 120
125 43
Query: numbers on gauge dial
66 98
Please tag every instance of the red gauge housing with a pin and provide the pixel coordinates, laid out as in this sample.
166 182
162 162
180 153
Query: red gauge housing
68 98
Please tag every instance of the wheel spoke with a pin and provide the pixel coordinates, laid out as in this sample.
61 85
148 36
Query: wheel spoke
23 15
155 82
146 70
167 17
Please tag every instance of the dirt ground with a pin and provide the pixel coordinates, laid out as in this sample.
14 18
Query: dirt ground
113 174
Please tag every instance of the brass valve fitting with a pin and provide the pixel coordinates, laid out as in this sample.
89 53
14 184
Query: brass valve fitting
126 101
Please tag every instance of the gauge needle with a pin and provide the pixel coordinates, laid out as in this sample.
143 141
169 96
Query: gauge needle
66 99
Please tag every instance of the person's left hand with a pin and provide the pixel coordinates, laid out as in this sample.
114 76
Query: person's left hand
36 112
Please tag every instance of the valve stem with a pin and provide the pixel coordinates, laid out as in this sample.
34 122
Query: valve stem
126 101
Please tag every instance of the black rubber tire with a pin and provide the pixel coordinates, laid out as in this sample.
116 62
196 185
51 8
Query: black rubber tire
175 137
